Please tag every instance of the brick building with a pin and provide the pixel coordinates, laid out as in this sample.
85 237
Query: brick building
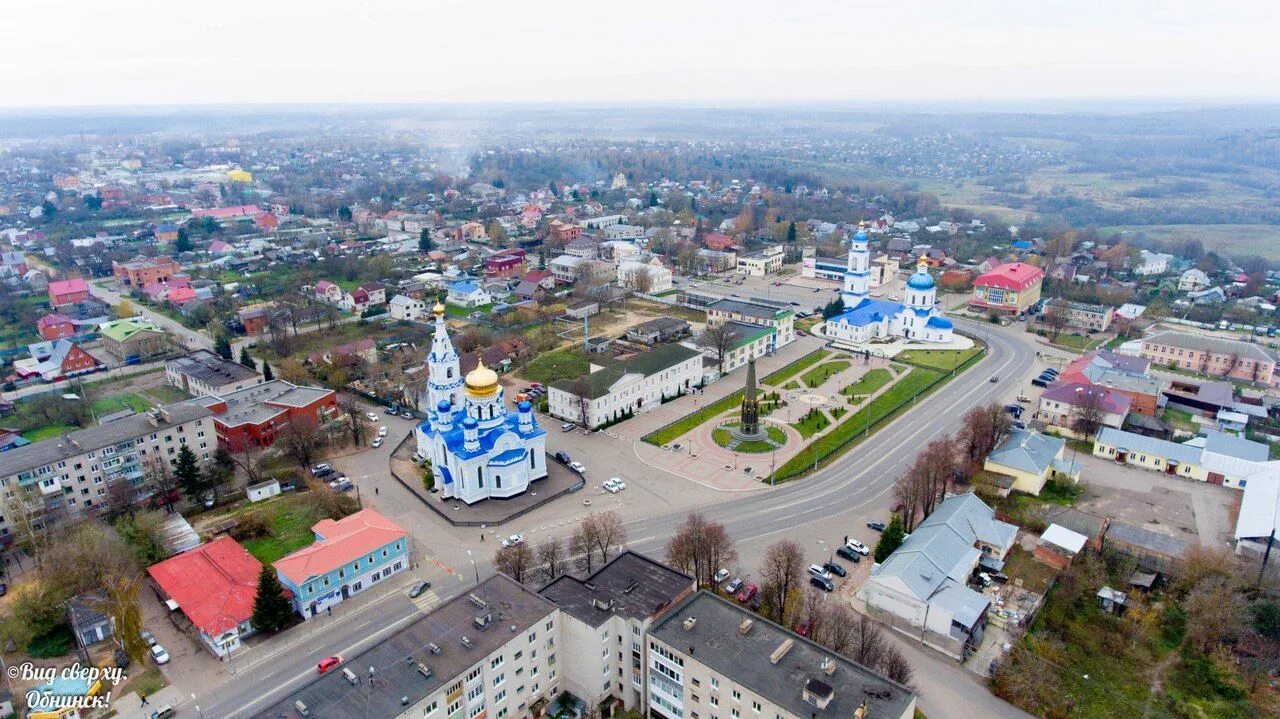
253 417
142 271
68 292
1211 355
1011 289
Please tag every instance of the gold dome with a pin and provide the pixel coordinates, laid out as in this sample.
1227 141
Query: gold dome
482 381
438 309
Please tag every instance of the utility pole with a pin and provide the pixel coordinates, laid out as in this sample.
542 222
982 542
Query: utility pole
1266 556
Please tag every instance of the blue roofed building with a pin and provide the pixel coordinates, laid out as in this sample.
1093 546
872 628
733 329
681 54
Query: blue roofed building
865 319
922 589
478 450
465 293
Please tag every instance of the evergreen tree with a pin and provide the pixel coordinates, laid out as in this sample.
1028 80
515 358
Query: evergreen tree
271 611
189 476
890 539
833 308
222 347
246 359
424 240
791 232
183 243
267 374
344 213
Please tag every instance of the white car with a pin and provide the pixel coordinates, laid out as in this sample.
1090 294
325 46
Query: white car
614 485
577 467
159 654
721 575
372 417
376 443
568 427
382 431
513 540
858 547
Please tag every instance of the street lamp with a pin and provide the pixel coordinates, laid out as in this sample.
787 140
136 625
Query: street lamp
474 566
198 711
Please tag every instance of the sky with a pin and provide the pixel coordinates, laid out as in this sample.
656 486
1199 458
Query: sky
145 52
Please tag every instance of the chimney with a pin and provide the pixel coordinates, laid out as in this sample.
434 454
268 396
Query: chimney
828 666
689 623
780 652
745 627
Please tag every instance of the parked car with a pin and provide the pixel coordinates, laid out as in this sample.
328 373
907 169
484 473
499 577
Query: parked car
848 554
721 575
407 414
562 457
382 431
159 654
877 525
389 410
568 427
536 385
817 570
615 485
835 568
733 585
377 442
577 467
148 637
803 629
858 547
747 593
341 484
318 469
513 540
825 585
1037 382
372 417
329 663
418 589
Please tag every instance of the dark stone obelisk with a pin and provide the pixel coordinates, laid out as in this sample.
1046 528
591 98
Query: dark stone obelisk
750 426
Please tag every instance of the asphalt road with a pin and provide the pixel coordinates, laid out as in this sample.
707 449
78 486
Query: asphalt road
855 483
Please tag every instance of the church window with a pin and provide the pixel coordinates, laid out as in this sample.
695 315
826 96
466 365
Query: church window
448 373
480 477
497 481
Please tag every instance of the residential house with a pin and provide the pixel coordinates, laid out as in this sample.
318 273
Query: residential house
214 586
55 327
376 292
328 292
922 590
142 271
507 263
1030 460
55 361
585 248
1082 315
1065 405
68 292
167 233
1151 263
563 232
255 320
1193 280
349 556
638 384
465 293
131 340
405 308
565 268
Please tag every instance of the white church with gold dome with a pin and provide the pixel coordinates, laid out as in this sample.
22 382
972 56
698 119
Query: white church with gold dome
478 450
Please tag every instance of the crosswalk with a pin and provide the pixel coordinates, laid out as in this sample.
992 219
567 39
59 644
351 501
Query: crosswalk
426 601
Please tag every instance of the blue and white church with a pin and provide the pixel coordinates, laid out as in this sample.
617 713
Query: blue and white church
478 450
865 318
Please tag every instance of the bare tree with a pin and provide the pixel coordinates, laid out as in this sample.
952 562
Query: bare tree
838 629
701 548
301 440
551 559
640 280
896 667
356 418
719 341
1057 315
581 547
982 429
781 575
1088 411
607 533
581 390
1215 614
868 646
515 561
247 462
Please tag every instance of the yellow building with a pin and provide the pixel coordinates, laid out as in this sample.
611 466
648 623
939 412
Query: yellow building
238 175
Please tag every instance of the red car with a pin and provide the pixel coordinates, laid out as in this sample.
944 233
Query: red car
803 629
328 663
747 593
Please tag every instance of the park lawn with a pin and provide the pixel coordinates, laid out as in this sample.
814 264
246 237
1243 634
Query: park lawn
685 424
816 376
164 394
290 518
128 400
811 424
1076 343
791 370
945 360
48 431
463 312
869 383
882 408
553 366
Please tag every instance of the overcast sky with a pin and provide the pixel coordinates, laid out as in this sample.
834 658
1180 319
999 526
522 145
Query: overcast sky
125 52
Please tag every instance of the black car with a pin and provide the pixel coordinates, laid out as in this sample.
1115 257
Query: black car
1039 383
849 554
877 525
824 584
419 588
835 568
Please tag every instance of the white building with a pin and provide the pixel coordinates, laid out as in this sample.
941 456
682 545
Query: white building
404 307
660 278
565 267
865 319
1152 263
1193 280
775 315
922 590
477 449
634 385
202 372
465 293
763 262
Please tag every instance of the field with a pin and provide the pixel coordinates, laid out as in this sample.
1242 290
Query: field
552 366
945 360
1261 240
290 518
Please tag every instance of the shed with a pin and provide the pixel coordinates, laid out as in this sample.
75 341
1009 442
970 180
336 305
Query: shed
1153 552
1112 600
1059 546
263 490
89 624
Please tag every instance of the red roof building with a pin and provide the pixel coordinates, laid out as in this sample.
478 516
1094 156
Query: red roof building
68 292
254 416
228 213
1011 288
267 221
214 586
507 263
715 241
55 327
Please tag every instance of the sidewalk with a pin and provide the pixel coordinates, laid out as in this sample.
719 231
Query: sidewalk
128 706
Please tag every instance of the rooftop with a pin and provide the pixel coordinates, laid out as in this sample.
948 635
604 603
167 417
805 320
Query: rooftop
207 367
715 639
1028 451
631 586
32 456
1011 276
339 542
645 363
214 584
395 660
1188 340
261 402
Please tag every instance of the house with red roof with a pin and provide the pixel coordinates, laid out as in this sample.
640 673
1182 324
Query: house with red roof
1065 405
228 213
214 587
715 241
1010 289
328 292
266 222
350 556
55 327
68 292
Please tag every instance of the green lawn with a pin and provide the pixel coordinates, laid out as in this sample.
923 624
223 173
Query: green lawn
1076 343
791 370
48 431
1179 419
129 400
869 383
723 438
552 366
866 419
945 360
462 312
664 435
816 376
811 424
290 518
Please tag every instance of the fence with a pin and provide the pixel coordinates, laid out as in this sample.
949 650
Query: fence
834 452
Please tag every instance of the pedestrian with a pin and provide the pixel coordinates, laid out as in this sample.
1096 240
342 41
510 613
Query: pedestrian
482 536
143 697
846 539
329 610
375 490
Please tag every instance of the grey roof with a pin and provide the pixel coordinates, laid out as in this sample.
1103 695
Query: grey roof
395 659
1234 446
631 586
22 459
83 609
1187 340
659 324
749 309
1142 444
1028 451
715 641
249 405
1145 539
1090 525
205 366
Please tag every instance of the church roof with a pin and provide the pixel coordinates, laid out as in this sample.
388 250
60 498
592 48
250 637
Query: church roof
868 311
921 281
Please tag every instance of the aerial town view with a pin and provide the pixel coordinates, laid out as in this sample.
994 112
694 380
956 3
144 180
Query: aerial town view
690 360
